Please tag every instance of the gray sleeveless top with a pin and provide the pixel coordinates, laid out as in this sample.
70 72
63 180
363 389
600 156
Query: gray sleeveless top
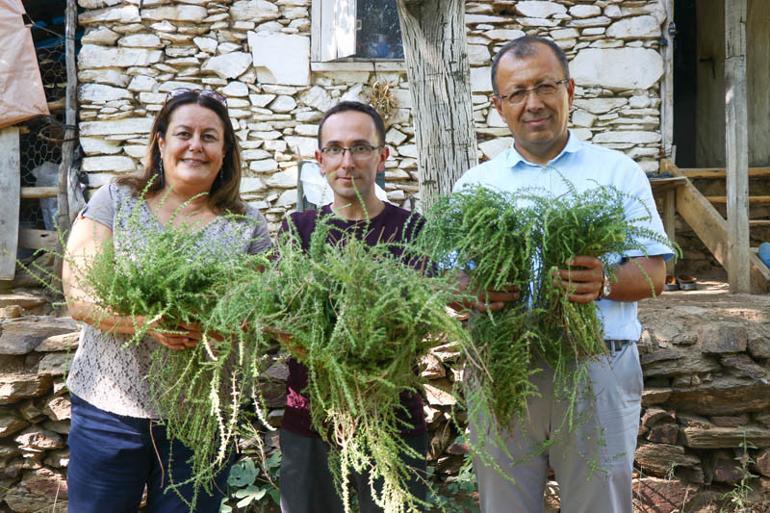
105 372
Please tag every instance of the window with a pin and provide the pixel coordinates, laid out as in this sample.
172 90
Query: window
355 29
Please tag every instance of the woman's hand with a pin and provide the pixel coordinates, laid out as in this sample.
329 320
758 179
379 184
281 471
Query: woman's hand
185 336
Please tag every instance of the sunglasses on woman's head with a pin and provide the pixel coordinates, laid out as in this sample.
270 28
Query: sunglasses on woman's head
208 93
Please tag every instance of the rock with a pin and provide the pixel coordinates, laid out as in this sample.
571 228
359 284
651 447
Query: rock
278 371
287 198
10 423
39 439
237 89
762 462
57 426
617 68
743 366
100 36
730 421
30 411
24 300
11 312
431 414
317 98
395 137
759 345
408 150
598 21
57 459
283 104
673 362
666 433
582 118
230 65
281 58
20 336
635 28
654 495
725 395
627 136
431 367
481 81
55 364
39 490
725 437
98 146
58 408
15 387
256 11
585 11
723 338
141 41
725 469
286 179
302 146
188 13
661 459
438 393
124 15
495 146
599 105
539 9
94 56
504 34
65 342
206 44
651 396
112 164
652 416
123 126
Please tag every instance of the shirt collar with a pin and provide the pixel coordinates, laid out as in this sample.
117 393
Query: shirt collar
513 157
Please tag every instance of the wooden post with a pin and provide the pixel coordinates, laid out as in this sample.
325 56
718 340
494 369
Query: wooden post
669 224
737 147
667 84
438 70
10 183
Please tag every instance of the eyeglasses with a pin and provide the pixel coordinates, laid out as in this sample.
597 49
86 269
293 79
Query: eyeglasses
541 90
208 93
358 152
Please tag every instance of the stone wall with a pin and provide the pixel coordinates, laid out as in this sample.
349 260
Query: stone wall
706 361
257 52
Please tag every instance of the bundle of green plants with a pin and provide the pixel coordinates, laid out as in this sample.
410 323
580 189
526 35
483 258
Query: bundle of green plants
359 319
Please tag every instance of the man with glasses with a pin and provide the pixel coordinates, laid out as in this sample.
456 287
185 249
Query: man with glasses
351 151
593 465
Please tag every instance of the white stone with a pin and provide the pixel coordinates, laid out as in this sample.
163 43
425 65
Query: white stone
231 65
478 55
318 98
140 41
283 104
539 9
111 164
94 56
403 97
152 98
123 126
617 68
255 154
98 93
206 44
263 166
395 137
100 36
494 146
98 146
599 105
236 89
138 151
482 18
189 13
629 136
396 195
584 11
287 198
142 83
569 33
283 180
494 119
97 4
261 100
638 27
252 184
583 118
124 15
104 76
639 102
504 34
228 47
163 26
613 11
601 21
594 31
281 58
307 130
165 87
537 22
254 10
303 146
408 150
480 79
583 134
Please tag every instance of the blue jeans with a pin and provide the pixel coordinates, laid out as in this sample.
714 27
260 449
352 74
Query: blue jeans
113 457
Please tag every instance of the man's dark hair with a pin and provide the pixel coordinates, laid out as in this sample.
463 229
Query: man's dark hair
347 106
524 47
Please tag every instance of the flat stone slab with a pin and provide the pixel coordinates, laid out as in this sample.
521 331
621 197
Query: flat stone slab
725 437
20 336
15 387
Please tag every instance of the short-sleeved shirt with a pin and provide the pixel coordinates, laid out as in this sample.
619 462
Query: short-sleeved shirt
584 166
393 225
105 371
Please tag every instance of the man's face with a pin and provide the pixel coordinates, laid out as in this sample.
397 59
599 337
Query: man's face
351 174
539 122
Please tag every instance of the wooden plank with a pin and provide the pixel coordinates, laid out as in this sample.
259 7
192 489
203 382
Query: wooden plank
10 183
667 84
37 239
737 146
759 222
669 224
752 200
717 173
38 192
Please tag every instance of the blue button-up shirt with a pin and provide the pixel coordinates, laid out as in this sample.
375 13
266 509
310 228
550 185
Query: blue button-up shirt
585 166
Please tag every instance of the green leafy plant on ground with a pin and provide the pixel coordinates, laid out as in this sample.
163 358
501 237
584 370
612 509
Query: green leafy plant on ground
253 487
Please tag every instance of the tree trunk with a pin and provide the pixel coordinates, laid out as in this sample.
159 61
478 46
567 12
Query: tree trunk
437 66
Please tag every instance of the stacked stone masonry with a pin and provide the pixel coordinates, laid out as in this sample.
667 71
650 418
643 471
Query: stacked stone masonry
706 364
258 54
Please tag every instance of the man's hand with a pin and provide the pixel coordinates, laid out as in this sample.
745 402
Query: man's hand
486 301
583 279
185 336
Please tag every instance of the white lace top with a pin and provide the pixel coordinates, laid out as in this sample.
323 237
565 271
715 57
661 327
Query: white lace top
105 372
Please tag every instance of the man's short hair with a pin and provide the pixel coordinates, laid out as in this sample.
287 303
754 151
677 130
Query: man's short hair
524 47
347 106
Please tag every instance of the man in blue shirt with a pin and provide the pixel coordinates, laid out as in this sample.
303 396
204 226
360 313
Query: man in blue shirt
533 93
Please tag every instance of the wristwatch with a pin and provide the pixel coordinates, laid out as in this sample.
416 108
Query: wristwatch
606 285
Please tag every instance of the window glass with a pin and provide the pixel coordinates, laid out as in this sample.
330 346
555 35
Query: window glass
379 33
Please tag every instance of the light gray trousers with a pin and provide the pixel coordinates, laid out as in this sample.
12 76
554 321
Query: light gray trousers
593 463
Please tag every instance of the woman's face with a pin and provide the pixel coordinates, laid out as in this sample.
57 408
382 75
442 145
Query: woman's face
193 148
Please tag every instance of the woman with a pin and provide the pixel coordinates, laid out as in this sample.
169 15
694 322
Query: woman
191 177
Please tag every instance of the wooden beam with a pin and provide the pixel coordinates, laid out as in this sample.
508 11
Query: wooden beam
667 84
10 182
717 173
38 239
737 146
759 222
38 192
752 200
